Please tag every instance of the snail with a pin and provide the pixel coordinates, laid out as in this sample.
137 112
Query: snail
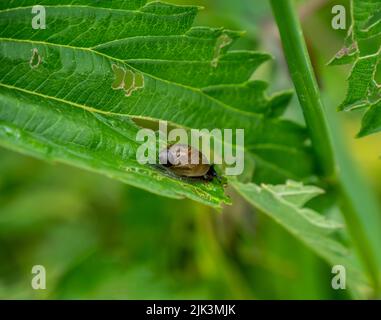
186 161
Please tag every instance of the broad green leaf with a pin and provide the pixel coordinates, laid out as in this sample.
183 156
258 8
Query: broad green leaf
57 131
71 92
284 204
363 50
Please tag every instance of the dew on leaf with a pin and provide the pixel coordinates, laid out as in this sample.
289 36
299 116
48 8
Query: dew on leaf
11 132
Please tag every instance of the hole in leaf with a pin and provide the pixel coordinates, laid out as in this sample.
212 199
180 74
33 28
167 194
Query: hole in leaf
119 77
222 41
35 60
139 80
128 80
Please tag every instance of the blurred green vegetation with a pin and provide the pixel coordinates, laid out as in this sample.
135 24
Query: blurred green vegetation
98 238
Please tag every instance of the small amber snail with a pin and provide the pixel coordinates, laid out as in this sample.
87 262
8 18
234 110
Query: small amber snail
186 161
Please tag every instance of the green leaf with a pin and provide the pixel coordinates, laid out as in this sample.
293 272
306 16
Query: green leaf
284 204
363 49
71 92
372 120
57 131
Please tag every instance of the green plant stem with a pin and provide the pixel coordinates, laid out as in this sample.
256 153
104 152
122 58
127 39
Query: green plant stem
305 83
306 87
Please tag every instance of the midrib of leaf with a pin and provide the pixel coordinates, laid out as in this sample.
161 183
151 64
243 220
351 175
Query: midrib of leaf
259 117
123 166
57 6
91 109
84 107
131 4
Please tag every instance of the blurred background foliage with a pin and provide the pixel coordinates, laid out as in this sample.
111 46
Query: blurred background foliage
98 238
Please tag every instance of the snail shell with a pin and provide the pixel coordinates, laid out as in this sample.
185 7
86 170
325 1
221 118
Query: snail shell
184 160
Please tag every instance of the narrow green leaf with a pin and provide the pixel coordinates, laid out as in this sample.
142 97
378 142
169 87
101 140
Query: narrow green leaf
284 203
